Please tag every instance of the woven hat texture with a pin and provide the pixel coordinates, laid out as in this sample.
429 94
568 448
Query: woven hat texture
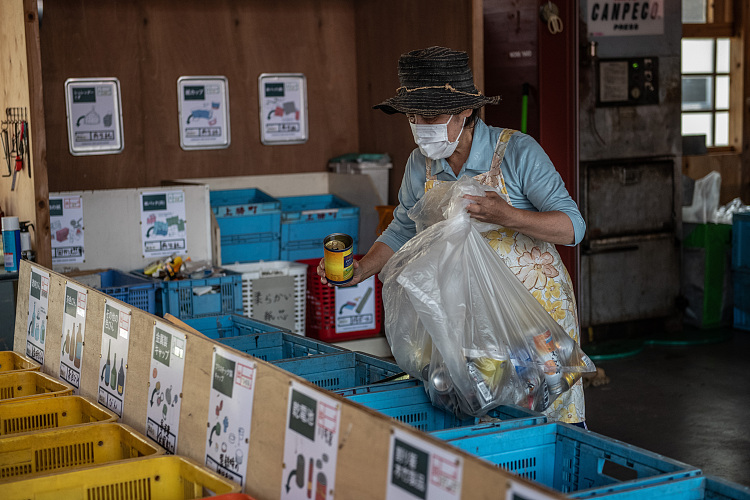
435 81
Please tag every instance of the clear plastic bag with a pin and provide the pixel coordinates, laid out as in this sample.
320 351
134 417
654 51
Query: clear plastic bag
459 319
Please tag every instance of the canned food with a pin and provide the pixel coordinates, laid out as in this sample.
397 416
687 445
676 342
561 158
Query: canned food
338 258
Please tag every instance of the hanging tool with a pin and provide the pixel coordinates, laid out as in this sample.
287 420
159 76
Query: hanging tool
19 154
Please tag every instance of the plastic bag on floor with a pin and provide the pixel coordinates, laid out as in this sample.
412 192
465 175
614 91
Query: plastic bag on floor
459 319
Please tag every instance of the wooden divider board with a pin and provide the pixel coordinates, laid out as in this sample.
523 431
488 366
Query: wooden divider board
364 435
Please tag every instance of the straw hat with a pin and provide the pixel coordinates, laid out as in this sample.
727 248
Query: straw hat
435 81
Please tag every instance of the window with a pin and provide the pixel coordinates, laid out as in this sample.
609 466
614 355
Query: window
708 78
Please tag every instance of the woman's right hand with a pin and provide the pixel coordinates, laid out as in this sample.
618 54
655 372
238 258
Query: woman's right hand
356 278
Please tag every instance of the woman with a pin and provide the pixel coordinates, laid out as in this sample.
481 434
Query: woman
535 211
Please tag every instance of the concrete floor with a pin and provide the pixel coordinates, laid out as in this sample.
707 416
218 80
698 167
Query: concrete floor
687 402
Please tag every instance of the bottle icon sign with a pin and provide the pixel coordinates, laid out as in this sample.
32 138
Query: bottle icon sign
105 371
78 348
120 378
113 375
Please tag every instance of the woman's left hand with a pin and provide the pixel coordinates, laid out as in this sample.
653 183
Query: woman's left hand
489 208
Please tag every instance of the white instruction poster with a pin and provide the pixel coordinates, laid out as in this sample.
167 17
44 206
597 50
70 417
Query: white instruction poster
417 469
355 307
203 112
36 332
283 108
311 444
74 329
94 114
163 226
165 386
114 356
230 410
66 229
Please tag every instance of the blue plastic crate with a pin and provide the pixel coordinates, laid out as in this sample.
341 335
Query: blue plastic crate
741 241
277 346
250 224
382 386
260 339
140 292
691 488
307 220
411 405
184 298
341 371
573 461
741 284
230 325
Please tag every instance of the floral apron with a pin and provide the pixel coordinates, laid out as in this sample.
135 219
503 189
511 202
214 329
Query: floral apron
538 266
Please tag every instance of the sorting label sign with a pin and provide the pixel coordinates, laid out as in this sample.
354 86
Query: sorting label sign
418 469
94 116
36 333
311 444
165 386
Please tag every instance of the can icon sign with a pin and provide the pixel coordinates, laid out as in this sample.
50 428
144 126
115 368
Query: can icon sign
338 258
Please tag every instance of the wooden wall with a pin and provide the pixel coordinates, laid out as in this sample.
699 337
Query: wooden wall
21 87
385 30
149 45
348 50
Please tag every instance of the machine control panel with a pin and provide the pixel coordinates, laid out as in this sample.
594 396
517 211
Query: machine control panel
629 81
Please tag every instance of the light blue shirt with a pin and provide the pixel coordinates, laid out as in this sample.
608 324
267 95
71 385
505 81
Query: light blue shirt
531 179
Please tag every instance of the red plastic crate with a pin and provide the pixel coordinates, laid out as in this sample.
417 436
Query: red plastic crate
321 308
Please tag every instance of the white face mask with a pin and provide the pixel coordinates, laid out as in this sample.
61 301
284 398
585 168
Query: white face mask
433 139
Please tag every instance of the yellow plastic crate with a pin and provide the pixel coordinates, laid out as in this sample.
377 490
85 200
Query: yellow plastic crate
18 386
50 413
12 361
167 477
70 448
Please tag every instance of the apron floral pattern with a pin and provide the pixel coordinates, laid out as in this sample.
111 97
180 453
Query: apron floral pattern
538 265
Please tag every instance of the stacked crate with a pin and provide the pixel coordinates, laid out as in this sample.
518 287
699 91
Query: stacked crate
741 269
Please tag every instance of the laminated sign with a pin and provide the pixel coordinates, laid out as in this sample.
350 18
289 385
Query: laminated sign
36 333
283 108
94 116
311 443
165 386
73 332
114 356
418 469
355 307
230 411
163 226
204 112
66 229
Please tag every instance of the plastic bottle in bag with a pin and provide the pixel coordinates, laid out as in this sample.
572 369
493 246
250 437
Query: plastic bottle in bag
550 358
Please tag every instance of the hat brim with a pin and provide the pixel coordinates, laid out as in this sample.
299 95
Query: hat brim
434 103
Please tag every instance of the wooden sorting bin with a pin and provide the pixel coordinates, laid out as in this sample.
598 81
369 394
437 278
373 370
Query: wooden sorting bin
166 476
19 386
51 413
42 452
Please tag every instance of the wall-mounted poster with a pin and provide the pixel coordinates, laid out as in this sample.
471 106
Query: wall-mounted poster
283 108
66 229
203 112
94 115
163 225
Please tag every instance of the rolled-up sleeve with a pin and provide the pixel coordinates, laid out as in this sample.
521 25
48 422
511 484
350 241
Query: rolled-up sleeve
540 184
402 228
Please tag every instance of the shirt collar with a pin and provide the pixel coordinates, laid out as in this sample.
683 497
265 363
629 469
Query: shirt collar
480 155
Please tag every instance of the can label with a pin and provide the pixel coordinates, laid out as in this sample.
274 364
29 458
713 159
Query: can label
339 260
